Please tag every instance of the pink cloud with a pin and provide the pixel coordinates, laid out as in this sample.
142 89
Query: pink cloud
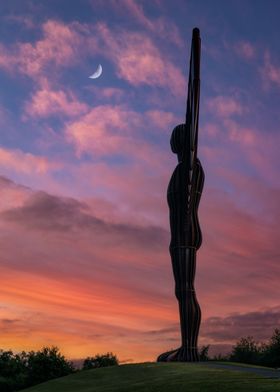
117 129
132 190
104 130
136 57
225 106
5 58
161 119
270 72
237 133
12 195
25 20
160 26
139 61
25 162
47 102
245 50
60 46
108 92
233 139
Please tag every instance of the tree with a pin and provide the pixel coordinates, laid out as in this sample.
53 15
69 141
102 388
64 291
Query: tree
100 360
246 350
10 364
203 353
46 364
12 371
5 385
271 354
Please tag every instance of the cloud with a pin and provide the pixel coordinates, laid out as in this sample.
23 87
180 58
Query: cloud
161 26
245 50
161 119
60 46
115 278
12 194
52 213
225 106
23 20
138 60
270 72
259 324
103 266
46 102
22 162
117 130
104 130
108 93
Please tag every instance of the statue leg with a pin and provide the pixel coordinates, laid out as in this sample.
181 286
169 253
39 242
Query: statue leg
184 263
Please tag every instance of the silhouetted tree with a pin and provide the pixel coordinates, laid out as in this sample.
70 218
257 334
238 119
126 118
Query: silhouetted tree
5 385
221 357
271 352
203 353
12 371
46 364
10 364
246 350
100 360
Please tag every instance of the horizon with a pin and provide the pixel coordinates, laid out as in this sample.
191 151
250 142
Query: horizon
85 164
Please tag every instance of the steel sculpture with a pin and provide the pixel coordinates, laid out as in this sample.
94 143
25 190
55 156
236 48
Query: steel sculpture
183 196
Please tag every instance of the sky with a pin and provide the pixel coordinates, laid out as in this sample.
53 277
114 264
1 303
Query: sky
85 164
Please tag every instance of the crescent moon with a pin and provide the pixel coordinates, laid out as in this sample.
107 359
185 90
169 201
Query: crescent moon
97 73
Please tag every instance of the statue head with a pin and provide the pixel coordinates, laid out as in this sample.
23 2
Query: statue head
178 140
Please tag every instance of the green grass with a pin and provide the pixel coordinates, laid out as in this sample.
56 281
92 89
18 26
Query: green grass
159 377
243 365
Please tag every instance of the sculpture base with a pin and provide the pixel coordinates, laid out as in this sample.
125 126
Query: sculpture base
181 354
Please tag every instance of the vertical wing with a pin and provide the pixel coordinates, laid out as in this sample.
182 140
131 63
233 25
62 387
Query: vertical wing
192 113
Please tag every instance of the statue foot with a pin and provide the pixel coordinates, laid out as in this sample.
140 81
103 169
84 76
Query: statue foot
181 354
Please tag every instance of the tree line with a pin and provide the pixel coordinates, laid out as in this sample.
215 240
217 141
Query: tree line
248 350
25 369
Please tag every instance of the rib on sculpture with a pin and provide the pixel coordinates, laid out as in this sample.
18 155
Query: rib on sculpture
183 196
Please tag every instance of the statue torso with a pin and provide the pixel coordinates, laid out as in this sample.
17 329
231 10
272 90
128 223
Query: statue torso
183 204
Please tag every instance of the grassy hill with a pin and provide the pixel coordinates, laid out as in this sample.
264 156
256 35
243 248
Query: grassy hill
159 377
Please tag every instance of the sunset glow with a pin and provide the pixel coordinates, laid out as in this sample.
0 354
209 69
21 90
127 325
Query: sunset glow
85 163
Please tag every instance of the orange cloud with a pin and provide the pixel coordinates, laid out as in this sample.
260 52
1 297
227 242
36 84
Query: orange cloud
106 281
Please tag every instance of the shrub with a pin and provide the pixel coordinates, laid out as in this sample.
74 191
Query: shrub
100 360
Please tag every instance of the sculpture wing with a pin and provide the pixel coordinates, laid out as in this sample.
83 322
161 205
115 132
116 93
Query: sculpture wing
192 113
